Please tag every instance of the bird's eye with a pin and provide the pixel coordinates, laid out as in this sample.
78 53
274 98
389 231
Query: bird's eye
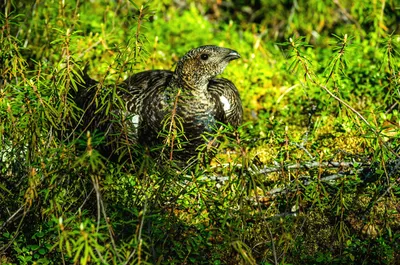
204 56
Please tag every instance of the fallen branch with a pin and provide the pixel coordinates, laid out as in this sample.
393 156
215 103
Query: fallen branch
306 165
366 172
285 189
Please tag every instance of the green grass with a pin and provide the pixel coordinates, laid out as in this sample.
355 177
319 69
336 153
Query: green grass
313 177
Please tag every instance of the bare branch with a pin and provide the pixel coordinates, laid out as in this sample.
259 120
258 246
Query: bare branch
12 216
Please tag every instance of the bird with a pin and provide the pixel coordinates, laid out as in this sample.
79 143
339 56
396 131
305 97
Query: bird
175 112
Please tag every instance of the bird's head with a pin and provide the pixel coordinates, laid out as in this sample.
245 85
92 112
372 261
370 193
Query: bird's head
200 65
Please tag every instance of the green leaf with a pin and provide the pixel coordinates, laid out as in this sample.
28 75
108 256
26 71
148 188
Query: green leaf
39 234
42 251
34 247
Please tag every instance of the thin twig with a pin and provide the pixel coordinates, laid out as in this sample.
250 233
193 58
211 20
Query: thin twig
12 216
332 164
302 147
139 237
350 17
347 105
98 196
285 189
110 232
2 250
84 202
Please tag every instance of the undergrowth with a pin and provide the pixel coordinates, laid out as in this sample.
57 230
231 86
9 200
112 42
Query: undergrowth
311 177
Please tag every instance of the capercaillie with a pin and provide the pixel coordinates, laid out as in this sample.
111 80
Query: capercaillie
189 100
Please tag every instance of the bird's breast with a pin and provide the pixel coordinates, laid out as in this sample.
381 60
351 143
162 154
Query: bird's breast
177 111
195 111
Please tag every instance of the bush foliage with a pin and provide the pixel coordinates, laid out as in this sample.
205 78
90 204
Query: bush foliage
312 176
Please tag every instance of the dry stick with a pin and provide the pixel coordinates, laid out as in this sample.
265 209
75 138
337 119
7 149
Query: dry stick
84 202
101 257
109 229
301 146
332 164
96 188
268 170
139 237
392 107
306 165
387 190
12 216
101 208
273 245
346 104
2 250
308 182
89 48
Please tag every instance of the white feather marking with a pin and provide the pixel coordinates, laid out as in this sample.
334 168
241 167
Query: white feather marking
135 120
225 103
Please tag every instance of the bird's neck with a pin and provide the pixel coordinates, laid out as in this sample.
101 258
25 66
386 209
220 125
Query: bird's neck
188 83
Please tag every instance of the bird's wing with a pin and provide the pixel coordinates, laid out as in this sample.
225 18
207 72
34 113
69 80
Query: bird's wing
142 85
226 93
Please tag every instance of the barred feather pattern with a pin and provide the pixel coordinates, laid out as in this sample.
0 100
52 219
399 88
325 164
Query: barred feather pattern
153 95
191 95
146 84
143 85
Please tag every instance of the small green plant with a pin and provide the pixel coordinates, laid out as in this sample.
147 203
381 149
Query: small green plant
311 177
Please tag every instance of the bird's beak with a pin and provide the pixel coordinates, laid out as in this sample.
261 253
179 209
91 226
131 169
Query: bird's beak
232 55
